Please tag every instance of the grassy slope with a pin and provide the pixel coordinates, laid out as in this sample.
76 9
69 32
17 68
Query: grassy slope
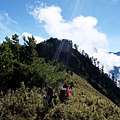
85 104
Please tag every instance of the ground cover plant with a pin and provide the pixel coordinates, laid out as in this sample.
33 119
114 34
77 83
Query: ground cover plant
85 104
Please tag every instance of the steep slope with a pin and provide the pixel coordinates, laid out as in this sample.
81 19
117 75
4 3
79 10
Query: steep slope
85 103
55 50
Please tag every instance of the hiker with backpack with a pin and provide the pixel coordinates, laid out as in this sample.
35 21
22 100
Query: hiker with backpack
48 98
64 93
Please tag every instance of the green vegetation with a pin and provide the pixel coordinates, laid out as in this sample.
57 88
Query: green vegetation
25 71
81 64
85 104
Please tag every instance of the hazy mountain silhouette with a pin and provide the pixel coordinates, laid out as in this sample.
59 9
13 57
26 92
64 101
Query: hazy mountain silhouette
116 71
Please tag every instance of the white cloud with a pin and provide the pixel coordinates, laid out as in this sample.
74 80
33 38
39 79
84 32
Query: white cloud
7 19
37 38
108 60
82 30
4 29
5 25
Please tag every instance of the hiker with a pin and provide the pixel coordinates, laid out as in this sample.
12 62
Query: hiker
51 95
64 93
47 99
71 85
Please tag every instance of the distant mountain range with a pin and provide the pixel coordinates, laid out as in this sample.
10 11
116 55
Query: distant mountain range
116 70
116 53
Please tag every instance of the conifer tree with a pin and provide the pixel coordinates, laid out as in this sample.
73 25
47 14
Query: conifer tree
6 66
30 49
16 46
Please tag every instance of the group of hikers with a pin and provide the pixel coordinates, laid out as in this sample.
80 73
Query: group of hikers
49 100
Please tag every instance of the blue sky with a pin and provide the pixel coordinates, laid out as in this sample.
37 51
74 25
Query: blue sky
89 23
107 13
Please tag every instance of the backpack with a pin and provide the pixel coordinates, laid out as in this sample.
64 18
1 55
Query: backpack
68 93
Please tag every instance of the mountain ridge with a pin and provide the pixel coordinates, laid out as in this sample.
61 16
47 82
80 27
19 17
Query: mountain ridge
62 51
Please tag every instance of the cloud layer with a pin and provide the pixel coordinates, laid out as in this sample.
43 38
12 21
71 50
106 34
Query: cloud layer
82 30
